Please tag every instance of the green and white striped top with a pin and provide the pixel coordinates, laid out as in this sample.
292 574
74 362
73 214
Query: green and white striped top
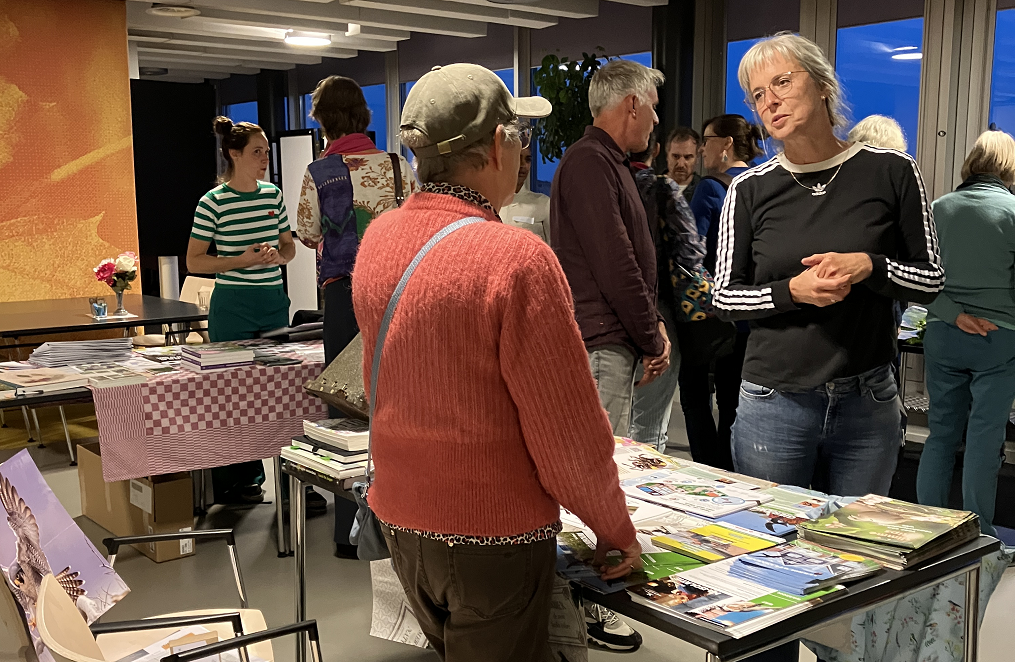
235 220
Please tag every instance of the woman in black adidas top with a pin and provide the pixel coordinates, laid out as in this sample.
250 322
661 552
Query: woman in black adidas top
814 246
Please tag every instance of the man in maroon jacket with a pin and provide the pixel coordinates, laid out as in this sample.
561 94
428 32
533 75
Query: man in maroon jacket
601 237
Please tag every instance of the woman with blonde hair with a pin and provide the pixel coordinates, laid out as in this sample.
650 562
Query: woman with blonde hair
879 131
970 340
813 247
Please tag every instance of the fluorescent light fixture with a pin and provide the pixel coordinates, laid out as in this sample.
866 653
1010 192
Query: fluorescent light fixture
172 11
295 38
908 56
905 48
354 30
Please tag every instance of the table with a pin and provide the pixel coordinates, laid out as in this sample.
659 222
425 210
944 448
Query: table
58 398
863 596
185 421
31 318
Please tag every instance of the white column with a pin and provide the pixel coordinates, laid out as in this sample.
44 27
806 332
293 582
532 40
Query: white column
393 105
709 75
523 62
818 23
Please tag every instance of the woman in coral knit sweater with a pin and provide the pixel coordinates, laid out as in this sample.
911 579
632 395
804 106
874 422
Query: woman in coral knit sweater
487 419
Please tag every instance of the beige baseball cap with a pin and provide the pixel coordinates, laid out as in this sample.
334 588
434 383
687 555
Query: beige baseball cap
458 104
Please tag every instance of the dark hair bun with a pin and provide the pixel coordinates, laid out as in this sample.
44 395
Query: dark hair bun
223 126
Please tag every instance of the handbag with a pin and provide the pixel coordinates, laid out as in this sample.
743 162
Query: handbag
340 384
366 528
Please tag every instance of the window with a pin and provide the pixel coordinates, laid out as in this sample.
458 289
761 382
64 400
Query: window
375 96
242 112
1002 92
879 67
542 173
735 97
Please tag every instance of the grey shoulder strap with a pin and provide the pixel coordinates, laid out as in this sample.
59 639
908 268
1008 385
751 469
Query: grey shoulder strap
389 313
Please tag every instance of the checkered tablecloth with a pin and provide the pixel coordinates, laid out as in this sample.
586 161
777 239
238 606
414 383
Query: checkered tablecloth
182 421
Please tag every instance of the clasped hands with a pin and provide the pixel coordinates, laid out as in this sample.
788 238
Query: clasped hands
656 365
262 253
829 277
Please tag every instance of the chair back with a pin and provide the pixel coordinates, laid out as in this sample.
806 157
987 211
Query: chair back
15 644
62 627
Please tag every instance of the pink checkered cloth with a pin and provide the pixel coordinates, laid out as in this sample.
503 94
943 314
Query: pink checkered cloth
182 421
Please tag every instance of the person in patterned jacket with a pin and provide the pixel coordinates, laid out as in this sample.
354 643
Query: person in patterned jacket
343 191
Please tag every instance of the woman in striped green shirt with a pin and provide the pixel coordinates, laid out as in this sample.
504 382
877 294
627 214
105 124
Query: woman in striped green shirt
247 220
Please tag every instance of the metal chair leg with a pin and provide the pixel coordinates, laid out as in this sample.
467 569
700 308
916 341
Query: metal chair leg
3 419
66 434
28 426
38 430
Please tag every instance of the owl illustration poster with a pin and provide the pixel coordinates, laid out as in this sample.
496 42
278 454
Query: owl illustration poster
38 537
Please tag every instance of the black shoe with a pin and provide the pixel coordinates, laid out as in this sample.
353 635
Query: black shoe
607 631
316 503
248 494
344 551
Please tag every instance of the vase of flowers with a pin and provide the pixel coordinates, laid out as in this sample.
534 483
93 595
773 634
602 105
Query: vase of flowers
118 274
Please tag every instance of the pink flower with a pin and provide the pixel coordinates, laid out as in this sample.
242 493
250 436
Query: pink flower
104 272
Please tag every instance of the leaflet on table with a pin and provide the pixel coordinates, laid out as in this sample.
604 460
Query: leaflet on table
800 567
711 498
109 374
789 506
703 539
576 550
168 354
635 459
710 596
149 367
639 510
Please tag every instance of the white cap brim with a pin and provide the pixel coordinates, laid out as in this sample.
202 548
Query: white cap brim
531 106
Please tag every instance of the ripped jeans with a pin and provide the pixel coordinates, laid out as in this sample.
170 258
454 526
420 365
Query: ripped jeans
841 438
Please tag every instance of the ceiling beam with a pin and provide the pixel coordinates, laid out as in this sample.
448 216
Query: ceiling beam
174 79
266 55
336 12
247 45
215 19
489 13
154 58
199 66
644 3
561 8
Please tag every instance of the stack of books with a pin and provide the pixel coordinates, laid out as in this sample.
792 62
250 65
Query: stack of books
105 375
38 381
73 352
801 568
326 459
896 533
348 434
215 356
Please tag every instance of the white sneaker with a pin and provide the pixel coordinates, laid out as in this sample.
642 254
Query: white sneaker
608 631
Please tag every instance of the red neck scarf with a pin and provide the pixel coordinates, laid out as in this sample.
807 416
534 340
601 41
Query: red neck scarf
353 143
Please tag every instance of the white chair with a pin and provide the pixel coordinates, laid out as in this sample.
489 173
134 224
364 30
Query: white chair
191 293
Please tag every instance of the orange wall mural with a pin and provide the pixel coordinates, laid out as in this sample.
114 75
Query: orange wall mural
66 163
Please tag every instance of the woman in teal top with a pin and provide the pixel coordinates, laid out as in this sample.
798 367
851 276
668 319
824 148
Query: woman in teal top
247 220
970 339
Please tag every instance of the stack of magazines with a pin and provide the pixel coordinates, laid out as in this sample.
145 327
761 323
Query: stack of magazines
348 434
72 352
216 356
896 533
802 568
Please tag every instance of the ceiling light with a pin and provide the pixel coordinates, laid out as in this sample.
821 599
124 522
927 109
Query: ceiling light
905 48
172 11
294 38
153 71
354 30
908 56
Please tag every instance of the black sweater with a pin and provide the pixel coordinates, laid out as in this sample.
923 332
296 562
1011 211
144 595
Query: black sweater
877 205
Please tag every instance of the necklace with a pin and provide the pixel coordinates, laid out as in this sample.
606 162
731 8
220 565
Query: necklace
818 189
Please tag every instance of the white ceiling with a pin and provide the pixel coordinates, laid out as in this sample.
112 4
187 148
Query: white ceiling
245 36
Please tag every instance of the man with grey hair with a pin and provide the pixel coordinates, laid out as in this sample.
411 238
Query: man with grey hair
601 236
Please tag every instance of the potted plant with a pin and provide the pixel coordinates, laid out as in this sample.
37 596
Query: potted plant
565 84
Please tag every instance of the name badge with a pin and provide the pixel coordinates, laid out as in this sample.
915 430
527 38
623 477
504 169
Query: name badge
524 219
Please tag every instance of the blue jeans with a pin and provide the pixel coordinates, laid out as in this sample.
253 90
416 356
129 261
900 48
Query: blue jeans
613 368
971 381
841 438
653 403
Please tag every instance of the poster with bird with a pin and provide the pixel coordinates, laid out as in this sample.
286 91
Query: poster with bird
38 538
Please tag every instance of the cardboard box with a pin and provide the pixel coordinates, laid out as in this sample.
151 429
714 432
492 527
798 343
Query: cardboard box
158 504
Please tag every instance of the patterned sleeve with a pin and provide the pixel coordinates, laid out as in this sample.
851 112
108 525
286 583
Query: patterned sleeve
205 219
308 214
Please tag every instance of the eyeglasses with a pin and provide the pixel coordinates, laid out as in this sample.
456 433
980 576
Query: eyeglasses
780 87
525 134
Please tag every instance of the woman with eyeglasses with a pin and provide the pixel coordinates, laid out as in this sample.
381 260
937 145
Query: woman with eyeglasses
813 247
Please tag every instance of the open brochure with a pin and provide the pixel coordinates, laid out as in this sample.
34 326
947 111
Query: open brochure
710 596
576 550
700 495
635 459
789 506
801 568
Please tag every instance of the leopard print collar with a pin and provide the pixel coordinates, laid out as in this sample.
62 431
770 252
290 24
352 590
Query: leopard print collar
463 193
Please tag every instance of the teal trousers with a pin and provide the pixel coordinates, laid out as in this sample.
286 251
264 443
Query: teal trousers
971 384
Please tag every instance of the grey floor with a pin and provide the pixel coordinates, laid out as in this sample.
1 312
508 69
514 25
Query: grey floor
339 590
